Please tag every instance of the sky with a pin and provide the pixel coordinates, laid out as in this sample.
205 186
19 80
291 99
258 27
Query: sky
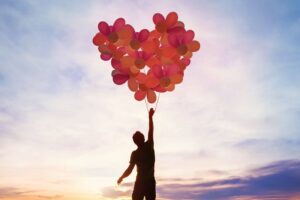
229 131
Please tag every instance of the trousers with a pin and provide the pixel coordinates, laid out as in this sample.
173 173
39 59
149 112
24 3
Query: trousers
144 188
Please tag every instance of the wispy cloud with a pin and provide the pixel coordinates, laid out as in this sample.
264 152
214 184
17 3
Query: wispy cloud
8 192
279 180
49 197
20 194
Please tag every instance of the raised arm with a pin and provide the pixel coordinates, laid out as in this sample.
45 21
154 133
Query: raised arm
126 173
150 132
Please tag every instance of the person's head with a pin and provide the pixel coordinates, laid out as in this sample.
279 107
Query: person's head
138 138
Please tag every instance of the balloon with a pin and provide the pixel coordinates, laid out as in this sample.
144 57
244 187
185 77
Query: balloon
150 62
119 78
151 96
133 84
140 95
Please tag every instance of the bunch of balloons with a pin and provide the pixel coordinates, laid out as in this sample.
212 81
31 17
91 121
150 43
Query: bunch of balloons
150 62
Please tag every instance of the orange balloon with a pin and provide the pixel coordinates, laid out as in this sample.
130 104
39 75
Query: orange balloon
133 84
166 60
165 82
139 63
151 96
161 27
182 50
148 46
152 61
141 78
177 78
171 19
126 33
168 51
170 88
152 82
188 54
118 55
127 61
164 39
134 70
193 46
143 87
154 34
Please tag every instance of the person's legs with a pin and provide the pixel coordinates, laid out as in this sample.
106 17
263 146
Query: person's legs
150 190
138 191
136 196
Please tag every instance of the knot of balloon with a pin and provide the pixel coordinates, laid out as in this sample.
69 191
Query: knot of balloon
150 62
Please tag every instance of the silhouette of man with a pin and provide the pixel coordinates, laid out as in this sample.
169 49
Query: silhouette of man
144 158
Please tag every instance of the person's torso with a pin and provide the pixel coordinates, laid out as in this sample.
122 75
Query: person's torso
145 159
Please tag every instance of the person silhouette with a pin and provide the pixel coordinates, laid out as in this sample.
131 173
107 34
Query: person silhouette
144 158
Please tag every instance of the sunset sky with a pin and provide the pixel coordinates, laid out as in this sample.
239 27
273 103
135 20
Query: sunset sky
229 131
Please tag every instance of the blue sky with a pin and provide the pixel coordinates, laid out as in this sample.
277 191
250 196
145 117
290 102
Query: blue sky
236 111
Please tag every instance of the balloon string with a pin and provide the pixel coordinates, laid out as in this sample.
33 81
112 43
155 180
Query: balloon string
157 102
146 105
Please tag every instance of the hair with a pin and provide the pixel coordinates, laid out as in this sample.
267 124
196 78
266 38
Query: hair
138 138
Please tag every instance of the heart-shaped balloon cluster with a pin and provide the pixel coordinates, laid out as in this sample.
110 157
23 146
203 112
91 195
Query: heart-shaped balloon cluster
149 62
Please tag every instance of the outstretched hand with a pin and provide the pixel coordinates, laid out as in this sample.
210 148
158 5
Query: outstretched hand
151 112
120 180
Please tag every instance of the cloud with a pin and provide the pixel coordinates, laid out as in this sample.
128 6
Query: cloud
112 192
278 180
12 192
280 147
47 197
20 193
